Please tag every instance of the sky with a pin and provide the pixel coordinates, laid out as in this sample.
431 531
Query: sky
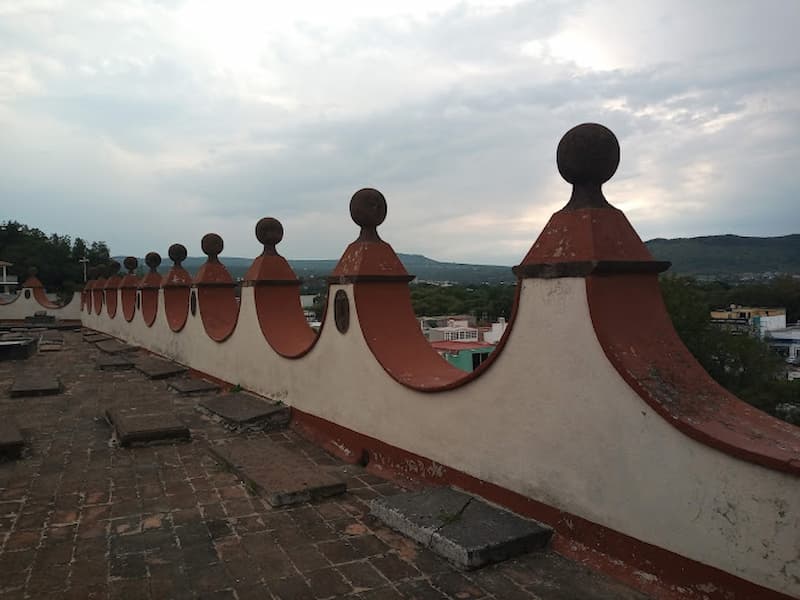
144 123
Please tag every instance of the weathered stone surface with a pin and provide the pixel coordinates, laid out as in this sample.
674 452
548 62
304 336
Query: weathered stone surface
281 476
48 347
53 337
40 319
244 410
17 349
156 368
142 425
11 442
115 347
93 338
166 522
110 362
193 386
459 527
35 384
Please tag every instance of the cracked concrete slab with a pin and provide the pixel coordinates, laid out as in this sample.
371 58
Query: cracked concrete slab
35 384
157 368
461 528
244 410
193 386
281 476
142 425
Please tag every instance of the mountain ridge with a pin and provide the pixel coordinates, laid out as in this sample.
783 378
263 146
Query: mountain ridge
715 255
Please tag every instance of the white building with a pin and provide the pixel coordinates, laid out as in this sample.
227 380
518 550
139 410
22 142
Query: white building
786 341
8 283
498 329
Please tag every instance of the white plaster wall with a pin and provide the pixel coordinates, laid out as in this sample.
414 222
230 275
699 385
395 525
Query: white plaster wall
26 307
552 419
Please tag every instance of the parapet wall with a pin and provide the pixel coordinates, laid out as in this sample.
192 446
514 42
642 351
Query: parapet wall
32 299
590 415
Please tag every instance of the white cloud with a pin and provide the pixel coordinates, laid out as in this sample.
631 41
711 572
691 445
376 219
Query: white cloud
144 123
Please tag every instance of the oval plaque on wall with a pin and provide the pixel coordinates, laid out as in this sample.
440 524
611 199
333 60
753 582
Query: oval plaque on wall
341 311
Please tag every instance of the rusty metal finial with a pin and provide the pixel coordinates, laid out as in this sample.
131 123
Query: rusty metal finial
269 232
212 245
177 254
152 260
587 157
368 210
131 263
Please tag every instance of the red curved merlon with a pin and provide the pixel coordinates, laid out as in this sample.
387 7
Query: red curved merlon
148 287
176 307
149 305
87 294
276 292
14 299
282 321
587 234
216 296
637 336
39 294
270 267
111 287
393 335
97 295
219 311
128 288
41 297
176 284
32 282
369 259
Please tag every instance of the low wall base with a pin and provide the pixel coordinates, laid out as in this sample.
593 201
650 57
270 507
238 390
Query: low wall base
652 570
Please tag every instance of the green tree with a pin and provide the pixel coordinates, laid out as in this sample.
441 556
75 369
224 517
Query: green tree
55 256
743 364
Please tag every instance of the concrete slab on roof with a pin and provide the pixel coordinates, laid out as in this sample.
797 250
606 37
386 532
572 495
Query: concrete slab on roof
243 410
134 425
157 368
283 477
11 442
17 348
35 384
193 386
53 337
93 338
461 528
111 362
115 346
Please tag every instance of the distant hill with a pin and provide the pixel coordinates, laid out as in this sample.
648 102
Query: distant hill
729 254
716 255
424 268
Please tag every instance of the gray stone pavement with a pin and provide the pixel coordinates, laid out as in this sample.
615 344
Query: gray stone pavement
82 518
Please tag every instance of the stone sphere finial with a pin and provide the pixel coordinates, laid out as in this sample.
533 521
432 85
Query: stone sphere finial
177 254
588 154
113 268
269 232
152 260
587 157
212 246
368 210
131 263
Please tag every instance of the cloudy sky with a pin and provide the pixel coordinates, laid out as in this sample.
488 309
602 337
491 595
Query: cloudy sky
144 123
